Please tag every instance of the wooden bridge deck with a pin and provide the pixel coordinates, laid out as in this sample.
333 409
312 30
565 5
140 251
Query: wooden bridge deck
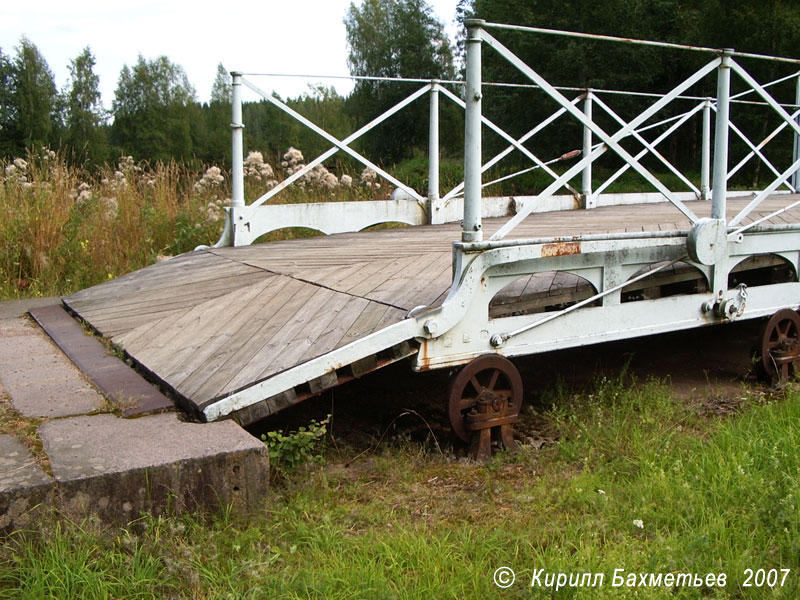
209 323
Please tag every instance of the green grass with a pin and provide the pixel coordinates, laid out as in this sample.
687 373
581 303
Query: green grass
714 494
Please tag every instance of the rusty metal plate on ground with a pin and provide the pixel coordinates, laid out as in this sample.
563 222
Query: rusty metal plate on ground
123 386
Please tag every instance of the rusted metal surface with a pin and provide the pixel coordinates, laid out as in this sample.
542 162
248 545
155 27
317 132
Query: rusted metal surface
780 346
484 400
561 249
117 381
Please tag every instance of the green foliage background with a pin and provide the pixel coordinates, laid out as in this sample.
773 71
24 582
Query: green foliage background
155 115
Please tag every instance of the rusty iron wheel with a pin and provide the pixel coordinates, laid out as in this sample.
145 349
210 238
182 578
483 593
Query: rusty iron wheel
488 376
780 343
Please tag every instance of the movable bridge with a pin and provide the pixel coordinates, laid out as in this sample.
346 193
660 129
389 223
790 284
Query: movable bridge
244 330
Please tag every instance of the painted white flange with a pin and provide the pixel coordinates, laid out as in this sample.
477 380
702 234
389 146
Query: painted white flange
707 242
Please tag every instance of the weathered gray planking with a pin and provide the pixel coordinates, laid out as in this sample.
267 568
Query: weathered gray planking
211 322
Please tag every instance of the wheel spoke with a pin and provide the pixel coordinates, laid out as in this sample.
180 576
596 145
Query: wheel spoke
476 384
493 381
466 390
779 335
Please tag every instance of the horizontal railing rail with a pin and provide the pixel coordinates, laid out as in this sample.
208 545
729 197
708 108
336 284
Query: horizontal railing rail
598 140
569 169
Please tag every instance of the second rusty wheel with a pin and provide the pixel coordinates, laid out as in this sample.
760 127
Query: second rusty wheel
485 396
780 345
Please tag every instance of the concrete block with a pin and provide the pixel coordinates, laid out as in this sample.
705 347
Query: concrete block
26 491
16 308
119 468
60 398
39 378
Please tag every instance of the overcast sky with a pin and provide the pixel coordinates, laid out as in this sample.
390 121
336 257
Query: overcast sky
270 36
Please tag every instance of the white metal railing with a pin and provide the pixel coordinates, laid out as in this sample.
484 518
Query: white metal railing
247 221
724 64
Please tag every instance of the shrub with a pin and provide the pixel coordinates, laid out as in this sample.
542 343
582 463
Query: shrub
287 451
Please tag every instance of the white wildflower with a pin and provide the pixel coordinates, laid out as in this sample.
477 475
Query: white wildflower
15 173
638 523
212 214
346 180
83 197
329 180
368 176
212 178
293 156
110 208
256 168
126 163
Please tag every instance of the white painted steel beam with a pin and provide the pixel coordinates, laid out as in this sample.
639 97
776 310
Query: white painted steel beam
332 217
313 369
339 144
514 143
237 155
721 129
756 151
471 226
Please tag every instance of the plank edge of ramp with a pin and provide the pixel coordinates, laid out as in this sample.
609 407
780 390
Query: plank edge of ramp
270 395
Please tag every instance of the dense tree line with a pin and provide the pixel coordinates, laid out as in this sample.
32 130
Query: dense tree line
155 114
771 28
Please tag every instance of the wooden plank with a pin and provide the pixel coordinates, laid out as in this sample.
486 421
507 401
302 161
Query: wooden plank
302 315
176 291
366 287
336 329
395 289
120 325
235 330
369 321
131 337
300 334
429 282
217 372
154 276
184 345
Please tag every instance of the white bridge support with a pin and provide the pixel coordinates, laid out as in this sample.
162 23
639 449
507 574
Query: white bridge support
461 328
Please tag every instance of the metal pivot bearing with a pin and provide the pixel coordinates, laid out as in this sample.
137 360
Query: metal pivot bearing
484 399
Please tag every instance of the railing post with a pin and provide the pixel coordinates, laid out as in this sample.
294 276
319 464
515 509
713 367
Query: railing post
796 149
586 176
471 225
433 154
237 156
719 193
705 146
